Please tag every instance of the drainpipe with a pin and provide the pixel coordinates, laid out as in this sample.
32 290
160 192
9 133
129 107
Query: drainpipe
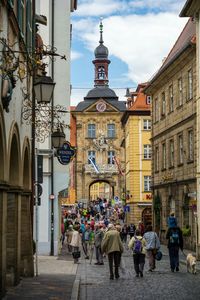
52 157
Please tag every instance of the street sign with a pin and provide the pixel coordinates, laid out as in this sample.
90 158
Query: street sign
66 153
116 198
45 151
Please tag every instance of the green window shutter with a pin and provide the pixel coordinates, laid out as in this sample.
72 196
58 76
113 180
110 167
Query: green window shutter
29 25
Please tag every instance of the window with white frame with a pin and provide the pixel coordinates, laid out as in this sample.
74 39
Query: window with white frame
180 148
147 124
111 155
171 99
164 156
92 156
147 183
180 91
156 110
171 153
156 159
147 151
190 85
91 130
190 145
163 112
111 130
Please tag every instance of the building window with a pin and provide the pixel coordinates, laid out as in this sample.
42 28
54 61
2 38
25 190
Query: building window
21 15
147 183
111 130
111 155
180 148
147 151
147 124
190 85
156 110
163 112
171 153
190 145
156 159
180 92
171 99
92 156
148 100
91 130
164 156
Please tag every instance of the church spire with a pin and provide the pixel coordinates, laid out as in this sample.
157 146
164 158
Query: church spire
101 61
101 32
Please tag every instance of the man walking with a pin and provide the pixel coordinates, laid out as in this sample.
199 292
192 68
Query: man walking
175 241
112 245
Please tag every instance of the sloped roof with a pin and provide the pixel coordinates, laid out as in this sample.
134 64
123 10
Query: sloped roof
101 92
83 105
140 103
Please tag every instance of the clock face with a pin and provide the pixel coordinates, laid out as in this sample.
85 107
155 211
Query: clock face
101 106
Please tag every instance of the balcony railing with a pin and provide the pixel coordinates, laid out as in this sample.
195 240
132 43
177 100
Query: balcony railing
109 169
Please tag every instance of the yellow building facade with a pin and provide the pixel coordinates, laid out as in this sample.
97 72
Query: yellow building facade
137 126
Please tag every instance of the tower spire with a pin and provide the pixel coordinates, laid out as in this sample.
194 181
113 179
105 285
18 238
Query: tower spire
101 32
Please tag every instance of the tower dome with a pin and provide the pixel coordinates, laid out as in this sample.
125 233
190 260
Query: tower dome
101 51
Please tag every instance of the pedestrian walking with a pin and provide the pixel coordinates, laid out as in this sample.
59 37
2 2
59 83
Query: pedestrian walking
152 245
175 242
113 247
75 243
68 238
138 244
131 230
99 233
85 240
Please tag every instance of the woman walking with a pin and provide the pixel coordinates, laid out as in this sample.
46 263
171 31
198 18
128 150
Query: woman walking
152 245
75 243
138 243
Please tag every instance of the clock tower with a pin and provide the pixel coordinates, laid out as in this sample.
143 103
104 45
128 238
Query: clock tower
101 62
100 156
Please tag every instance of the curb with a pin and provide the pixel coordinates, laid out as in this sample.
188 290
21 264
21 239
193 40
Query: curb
75 290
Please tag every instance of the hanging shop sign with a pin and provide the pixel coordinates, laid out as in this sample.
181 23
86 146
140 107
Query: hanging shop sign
66 153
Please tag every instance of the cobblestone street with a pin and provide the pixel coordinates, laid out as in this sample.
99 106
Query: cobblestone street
160 284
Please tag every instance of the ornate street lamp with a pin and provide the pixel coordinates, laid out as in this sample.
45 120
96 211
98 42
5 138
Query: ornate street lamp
43 88
58 138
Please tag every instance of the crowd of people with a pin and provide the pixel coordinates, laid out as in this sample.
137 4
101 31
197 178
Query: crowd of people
100 229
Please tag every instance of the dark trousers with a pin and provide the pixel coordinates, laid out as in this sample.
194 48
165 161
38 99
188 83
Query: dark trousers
114 257
174 257
139 261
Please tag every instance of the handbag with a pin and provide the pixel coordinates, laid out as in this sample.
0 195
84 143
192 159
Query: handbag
76 254
158 255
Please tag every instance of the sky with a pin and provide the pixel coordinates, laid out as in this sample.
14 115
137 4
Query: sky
138 33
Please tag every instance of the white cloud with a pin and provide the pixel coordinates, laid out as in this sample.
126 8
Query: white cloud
105 7
99 8
75 55
141 41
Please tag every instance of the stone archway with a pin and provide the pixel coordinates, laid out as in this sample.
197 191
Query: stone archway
3 206
13 213
104 189
26 265
147 216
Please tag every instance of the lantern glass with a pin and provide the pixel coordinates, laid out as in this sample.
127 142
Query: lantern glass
58 138
43 87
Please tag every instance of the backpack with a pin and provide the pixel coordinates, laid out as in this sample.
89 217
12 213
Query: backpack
174 238
137 247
